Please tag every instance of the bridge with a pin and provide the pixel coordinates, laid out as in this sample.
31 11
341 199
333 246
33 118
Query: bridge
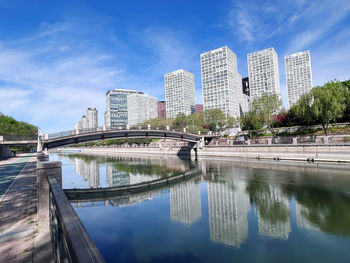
48 141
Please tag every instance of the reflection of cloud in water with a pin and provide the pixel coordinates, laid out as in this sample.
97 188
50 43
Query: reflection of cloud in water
302 214
228 207
185 202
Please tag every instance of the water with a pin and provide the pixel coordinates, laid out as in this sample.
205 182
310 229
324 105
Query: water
232 211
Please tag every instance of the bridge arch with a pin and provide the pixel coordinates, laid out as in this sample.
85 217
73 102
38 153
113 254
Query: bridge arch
192 139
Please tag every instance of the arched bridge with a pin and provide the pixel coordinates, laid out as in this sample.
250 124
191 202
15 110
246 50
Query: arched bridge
68 139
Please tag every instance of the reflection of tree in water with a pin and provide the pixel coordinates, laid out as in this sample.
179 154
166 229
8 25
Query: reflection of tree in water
329 211
269 205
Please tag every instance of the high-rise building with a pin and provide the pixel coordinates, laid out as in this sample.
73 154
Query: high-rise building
298 75
221 83
128 107
141 107
92 118
179 93
117 108
263 73
161 107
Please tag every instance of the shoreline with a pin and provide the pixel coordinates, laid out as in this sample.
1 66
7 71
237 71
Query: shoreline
303 153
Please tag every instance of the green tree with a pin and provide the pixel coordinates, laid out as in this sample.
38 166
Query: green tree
9 126
266 107
251 121
214 118
324 103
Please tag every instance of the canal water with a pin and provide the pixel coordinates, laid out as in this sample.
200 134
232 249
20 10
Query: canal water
233 211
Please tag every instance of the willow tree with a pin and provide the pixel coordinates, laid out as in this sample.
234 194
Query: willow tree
324 104
265 107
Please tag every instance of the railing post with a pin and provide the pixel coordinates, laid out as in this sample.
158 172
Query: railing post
184 130
128 126
149 126
295 140
167 127
42 243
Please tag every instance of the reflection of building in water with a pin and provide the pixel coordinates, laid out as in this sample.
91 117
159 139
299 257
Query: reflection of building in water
185 202
273 213
90 171
134 199
228 207
302 217
116 177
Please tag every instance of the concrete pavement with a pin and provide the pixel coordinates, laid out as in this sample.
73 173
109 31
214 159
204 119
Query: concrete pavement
18 208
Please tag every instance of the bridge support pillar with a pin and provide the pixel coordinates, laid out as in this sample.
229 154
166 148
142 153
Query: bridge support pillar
4 152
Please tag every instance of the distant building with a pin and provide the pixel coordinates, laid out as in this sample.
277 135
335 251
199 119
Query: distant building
199 108
179 93
221 83
245 86
141 108
88 121
92 118
128 107
263 73
298 75
161 108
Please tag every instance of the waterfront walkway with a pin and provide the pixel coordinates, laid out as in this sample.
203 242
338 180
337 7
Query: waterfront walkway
18 205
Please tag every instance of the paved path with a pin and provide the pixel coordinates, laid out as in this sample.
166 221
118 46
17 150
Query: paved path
18 206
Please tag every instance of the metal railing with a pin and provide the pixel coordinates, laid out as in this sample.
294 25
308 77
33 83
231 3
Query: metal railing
14 137
106 128
70 240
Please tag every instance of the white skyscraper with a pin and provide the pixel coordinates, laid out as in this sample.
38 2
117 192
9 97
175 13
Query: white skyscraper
263 73
179 93
298 75
141 107
221 83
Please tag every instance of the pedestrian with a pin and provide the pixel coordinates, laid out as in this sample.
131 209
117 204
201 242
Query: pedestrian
14 153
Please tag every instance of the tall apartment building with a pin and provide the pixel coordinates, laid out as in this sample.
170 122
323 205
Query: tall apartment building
141 107
179 93
221 83
128 107
263 73
161 109
298 75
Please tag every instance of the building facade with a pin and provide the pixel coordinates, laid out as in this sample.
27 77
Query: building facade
263 73
179 93
221 83
128 107
92 118
141 107
161 107
199 108
298 75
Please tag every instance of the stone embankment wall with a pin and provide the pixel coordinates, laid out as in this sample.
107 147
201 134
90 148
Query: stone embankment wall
335 153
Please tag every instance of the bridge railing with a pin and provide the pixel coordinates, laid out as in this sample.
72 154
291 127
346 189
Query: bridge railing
106 128
29 137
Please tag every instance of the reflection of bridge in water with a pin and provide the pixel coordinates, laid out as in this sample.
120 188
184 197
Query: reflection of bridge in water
229 199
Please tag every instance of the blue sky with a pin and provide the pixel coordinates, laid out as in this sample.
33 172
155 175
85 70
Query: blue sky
58 58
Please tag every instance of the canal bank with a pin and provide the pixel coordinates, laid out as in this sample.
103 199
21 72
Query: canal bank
307 152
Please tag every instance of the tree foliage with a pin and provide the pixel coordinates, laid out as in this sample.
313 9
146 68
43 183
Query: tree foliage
324 104
9 126
264 108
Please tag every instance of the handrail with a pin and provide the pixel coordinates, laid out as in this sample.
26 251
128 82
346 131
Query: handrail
70 240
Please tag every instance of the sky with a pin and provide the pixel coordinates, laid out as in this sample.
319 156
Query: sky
59 57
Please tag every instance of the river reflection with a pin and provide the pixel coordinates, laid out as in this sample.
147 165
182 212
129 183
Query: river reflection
239 204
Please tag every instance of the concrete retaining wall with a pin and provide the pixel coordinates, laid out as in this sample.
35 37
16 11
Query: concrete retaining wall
333 153
4 152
